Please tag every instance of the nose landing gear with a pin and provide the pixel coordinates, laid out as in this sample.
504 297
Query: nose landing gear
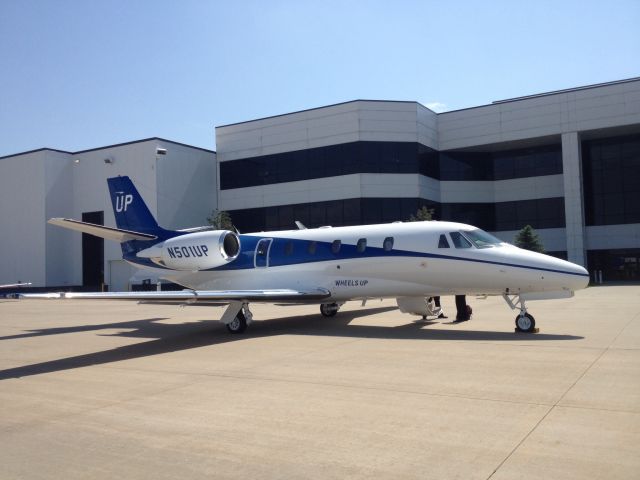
524 321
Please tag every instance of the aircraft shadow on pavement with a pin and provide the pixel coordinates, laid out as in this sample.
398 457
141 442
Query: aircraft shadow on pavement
168 338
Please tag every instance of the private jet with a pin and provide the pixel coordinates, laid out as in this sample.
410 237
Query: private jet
329 266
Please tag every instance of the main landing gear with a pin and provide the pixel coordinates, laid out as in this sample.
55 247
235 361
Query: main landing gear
237 317
524 321
329 309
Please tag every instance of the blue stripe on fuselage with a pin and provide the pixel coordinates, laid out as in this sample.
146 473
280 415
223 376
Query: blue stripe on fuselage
281 254
300 255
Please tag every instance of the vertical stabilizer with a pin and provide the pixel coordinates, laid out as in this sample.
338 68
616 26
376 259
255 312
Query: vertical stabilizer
129 208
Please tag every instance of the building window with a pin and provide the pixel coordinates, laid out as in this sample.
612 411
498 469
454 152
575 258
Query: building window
330 161
501 165
361 245
611 169
387 245
502 216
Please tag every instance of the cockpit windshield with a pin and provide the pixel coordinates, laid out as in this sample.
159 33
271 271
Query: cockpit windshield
482 239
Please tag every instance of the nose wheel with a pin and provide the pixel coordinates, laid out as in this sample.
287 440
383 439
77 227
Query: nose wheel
525 323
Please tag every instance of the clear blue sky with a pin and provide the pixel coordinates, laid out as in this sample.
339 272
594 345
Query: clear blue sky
78 74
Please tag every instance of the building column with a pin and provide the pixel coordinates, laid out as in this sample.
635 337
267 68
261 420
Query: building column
573 204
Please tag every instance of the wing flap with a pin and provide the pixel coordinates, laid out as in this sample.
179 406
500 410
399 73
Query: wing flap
109 233
193 296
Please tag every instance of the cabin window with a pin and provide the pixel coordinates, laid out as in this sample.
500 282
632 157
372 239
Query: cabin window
362 245
387 245
459 241
288 248
443 243
312 247
335 246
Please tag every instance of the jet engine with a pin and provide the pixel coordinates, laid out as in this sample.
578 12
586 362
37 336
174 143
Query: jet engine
195 251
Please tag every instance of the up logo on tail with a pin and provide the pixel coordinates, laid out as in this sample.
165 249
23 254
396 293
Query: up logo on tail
123 201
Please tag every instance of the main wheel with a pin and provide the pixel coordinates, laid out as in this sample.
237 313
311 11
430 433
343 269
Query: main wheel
329 309
525 323
238 324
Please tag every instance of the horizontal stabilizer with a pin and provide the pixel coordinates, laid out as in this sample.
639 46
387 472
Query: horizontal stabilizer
192 296
14 285
109 233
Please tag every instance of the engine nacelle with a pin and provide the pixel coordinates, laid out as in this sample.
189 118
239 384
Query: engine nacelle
195 251
416 305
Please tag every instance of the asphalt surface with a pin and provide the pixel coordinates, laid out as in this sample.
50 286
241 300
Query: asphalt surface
95 389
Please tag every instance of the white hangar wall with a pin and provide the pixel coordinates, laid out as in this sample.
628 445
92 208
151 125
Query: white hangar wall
178 187
23 198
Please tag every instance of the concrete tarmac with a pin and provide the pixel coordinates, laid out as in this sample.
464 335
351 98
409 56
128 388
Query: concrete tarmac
99 389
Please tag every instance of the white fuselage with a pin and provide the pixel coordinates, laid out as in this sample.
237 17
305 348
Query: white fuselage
417 264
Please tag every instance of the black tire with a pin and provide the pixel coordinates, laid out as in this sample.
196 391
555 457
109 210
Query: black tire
329 309
238 324
525 323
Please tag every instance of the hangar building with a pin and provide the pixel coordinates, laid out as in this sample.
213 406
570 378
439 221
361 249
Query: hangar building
565 162
177 181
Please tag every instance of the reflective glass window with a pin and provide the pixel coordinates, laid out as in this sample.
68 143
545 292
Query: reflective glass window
329 161
482 239
442 242
361 245
335 246
387 245
459 241
611 176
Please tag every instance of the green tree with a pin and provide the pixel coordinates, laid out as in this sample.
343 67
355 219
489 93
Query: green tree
220 220
423 214
528 239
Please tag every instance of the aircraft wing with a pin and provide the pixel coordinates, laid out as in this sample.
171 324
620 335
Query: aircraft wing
117 234
14 285
195 296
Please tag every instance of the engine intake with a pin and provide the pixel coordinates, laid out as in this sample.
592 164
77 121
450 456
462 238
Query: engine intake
195 251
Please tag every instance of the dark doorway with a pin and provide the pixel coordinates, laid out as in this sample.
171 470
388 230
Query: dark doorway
92 254
616 265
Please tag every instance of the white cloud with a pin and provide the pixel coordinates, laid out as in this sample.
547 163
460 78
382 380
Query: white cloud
436 106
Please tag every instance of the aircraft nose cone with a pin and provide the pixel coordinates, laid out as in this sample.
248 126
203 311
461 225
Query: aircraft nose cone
572 276
580 274
581 270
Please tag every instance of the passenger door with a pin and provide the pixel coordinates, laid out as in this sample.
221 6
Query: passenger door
261 258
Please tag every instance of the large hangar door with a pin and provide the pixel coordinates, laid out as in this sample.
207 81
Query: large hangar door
92 254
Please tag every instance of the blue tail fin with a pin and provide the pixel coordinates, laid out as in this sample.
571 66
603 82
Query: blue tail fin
129 208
